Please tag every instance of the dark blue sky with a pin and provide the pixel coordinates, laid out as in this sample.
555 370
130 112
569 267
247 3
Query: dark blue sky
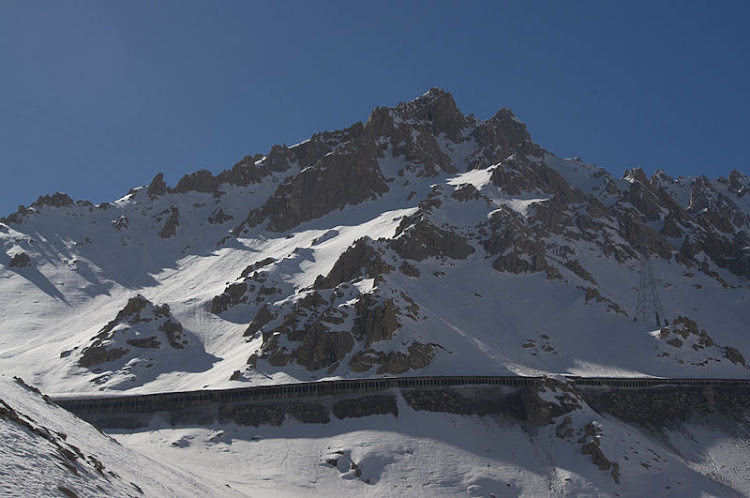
97 97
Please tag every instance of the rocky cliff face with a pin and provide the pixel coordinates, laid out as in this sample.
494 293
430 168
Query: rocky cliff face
340 324
348 177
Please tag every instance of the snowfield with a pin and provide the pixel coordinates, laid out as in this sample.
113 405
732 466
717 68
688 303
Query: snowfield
421 453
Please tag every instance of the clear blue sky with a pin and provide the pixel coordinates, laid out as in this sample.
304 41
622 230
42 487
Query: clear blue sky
98 96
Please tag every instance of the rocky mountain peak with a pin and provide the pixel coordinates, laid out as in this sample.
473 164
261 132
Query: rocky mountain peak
635 175
438 108
379 248
501 137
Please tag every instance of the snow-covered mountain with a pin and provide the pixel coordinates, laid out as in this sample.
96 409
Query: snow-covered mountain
423 242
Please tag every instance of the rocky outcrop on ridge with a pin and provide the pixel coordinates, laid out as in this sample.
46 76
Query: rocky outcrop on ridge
57 199
158 186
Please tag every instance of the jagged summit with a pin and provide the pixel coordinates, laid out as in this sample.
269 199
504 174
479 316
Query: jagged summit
435 111
438 107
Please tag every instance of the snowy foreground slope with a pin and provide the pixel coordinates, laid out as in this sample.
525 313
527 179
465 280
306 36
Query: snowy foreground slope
409 451
46 451
424 453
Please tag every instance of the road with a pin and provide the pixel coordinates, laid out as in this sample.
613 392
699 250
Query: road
135 403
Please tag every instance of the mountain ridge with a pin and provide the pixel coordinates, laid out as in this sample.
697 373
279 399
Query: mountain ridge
422 240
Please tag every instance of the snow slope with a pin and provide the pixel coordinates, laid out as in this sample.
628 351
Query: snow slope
421 453
46 451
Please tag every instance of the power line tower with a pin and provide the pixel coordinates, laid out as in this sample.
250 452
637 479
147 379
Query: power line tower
649 304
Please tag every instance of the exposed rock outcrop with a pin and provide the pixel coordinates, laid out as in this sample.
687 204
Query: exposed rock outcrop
303 335
16 217
685 335
170 226
219 216
20 260
593 294
262 318
517 174
253 169
348 177
438 108
409 270
376 320
360 260
423 240
253 287
417 357
319 346
466 192
232 296
249 270
138 325
121 223
576 267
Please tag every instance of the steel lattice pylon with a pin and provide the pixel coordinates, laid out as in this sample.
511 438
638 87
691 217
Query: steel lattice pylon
649 304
